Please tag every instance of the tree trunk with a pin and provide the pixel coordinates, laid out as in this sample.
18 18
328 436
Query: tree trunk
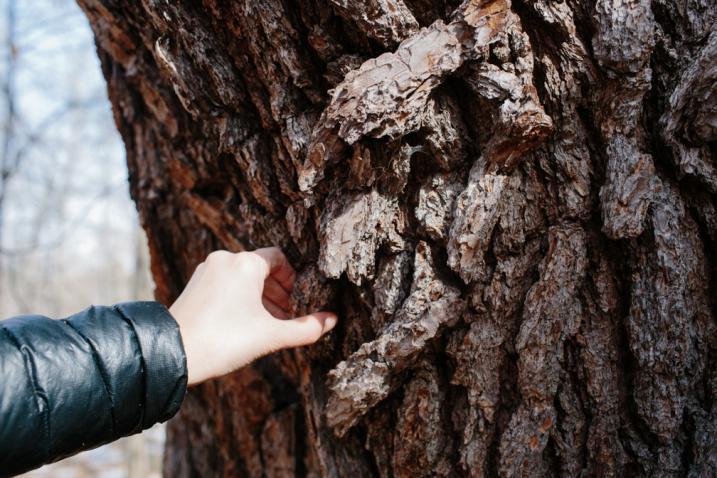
511 205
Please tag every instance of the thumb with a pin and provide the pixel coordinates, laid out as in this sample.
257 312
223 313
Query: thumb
307 329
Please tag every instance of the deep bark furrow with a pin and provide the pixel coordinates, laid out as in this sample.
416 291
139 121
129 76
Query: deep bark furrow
387 21
370 373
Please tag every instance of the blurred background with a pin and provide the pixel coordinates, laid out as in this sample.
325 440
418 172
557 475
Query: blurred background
69 232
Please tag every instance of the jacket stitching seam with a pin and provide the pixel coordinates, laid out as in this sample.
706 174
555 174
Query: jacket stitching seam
143 368
103 373
31 372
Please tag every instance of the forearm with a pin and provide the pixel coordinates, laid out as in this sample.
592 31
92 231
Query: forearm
108 372
76 383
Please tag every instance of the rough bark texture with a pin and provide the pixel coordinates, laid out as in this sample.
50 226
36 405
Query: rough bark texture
512 206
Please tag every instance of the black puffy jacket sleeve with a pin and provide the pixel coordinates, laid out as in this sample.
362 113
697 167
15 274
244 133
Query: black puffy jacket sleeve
77 383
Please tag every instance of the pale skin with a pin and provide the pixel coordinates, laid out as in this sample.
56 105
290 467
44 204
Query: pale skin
235 309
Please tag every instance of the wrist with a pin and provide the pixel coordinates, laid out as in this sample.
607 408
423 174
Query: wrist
192 350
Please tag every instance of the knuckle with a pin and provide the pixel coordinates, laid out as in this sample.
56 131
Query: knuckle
275 250
272 252
247 260
217 256
242 258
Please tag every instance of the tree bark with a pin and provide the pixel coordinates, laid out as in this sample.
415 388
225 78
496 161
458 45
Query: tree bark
511 205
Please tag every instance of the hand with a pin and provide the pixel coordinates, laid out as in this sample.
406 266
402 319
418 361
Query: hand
235 309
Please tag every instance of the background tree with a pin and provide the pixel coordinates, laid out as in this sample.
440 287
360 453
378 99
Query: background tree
68 228
510 204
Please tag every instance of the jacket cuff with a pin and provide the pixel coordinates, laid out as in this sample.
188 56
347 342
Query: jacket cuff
164 363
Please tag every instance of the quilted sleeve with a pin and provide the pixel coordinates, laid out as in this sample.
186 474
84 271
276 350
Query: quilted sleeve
77 383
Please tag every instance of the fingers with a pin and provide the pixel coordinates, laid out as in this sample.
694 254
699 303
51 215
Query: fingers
274 309
278 266
275 293
305 330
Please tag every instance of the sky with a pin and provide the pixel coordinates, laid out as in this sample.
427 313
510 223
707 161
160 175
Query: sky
70 231
69 235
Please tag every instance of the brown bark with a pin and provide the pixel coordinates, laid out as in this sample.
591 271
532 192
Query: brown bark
512 206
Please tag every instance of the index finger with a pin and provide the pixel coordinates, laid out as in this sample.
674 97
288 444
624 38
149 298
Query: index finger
278 267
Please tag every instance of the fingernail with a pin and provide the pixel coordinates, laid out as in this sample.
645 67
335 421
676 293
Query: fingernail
329 323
